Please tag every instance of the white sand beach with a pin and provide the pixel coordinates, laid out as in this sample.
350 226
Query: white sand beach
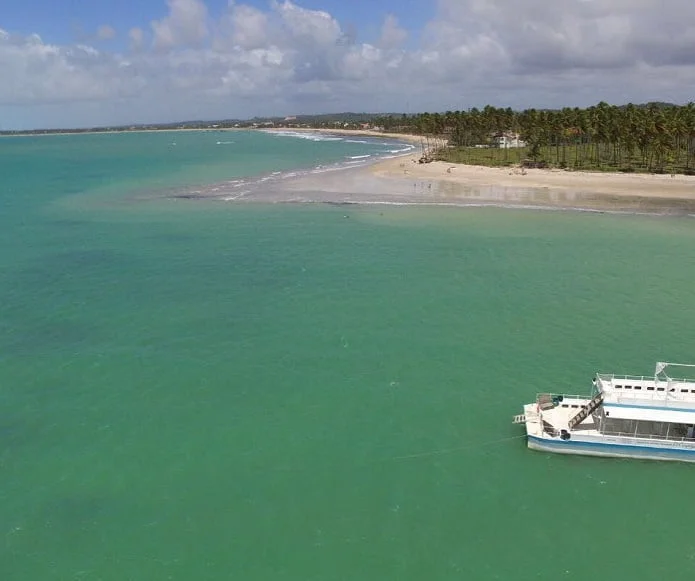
597 183
403 181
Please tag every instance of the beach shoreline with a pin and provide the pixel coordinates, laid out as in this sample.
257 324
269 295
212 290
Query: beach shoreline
589 189
407 138
402 180
662 186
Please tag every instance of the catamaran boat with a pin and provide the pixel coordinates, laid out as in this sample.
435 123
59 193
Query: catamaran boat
623 416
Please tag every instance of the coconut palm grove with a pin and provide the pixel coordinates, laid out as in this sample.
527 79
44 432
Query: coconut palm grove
652 137
656 137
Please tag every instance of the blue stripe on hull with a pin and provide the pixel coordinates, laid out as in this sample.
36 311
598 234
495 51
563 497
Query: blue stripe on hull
613 450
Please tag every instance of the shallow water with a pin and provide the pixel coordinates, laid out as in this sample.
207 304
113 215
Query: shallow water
196 390
364 186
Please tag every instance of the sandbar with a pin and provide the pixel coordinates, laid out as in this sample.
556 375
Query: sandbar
599 183
404 181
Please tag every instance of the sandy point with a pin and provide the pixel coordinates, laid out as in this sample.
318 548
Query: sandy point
663 186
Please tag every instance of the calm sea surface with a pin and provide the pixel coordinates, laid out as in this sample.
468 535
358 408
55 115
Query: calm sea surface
203 391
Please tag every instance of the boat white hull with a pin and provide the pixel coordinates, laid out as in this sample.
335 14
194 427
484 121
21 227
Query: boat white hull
612 450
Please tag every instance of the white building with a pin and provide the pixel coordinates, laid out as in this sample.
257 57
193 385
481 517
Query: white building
508 140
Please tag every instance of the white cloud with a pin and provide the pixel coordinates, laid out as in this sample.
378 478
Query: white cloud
242 26
43 73
137 38
392 35
542 37
313 27
185 25
288 58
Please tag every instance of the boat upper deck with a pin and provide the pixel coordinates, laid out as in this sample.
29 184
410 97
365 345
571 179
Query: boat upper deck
648 398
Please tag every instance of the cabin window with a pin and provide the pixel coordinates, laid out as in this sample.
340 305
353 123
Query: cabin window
684 391
564 405
638 387
659 389
628 387
650 388
618 386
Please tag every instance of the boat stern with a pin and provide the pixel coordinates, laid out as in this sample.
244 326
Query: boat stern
530 419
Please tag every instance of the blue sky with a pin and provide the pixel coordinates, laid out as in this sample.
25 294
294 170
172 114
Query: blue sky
66 21
115 62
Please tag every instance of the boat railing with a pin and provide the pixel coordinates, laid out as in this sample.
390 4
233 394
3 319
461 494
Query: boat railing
564 396
663 398
613 377
626 437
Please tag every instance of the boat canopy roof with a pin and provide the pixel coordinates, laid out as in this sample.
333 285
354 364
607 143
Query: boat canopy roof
633 411
660 374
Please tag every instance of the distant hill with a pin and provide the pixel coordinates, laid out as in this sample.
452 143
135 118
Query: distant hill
325 119
345 119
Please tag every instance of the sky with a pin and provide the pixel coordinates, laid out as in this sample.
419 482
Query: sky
85 63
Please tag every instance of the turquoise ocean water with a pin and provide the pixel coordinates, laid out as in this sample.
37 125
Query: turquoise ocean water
196 390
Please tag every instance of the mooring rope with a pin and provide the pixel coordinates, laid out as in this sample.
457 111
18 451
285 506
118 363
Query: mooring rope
458 449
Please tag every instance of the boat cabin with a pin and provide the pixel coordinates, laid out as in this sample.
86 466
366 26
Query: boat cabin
639 406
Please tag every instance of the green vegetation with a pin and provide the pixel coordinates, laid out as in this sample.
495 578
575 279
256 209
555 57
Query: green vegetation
572 157
656 138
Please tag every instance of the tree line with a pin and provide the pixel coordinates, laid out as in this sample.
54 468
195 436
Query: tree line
655 137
